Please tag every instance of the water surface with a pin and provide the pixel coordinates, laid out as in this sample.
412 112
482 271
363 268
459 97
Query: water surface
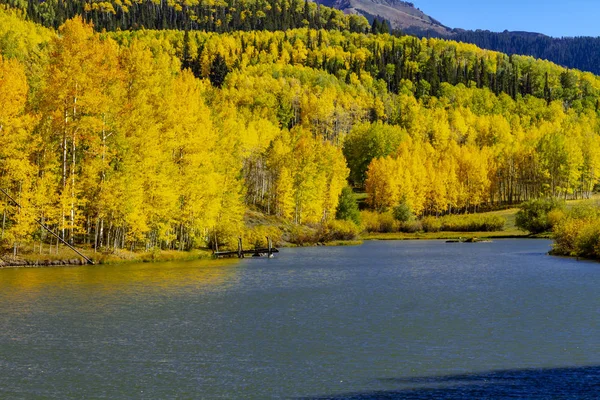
384 320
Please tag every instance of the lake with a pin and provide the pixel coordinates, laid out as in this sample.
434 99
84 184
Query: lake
383 320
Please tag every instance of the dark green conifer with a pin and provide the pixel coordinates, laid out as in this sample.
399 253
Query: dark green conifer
218 71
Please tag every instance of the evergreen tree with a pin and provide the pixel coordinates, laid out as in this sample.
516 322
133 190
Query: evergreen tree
347 208
375 26
218 71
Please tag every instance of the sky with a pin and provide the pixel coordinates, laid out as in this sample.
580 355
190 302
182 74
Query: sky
551 17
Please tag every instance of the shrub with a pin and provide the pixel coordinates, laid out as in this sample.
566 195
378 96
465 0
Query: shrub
370 221
588 240
473 223
411 227
387 223
402 212
347 209
431 224
585 211
565 236
578 233
302 235
533 216
555 217
339 230
374 222
257 236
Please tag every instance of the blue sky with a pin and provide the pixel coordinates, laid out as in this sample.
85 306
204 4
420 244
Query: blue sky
551 17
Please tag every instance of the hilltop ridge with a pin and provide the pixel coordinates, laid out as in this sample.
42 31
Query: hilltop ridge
400 14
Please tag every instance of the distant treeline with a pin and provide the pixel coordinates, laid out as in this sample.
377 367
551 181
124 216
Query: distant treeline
212 16
573 52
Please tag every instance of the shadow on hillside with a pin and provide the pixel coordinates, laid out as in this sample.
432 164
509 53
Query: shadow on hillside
556 383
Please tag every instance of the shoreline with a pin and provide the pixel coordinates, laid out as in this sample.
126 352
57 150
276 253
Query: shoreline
172 255
452 236
45 261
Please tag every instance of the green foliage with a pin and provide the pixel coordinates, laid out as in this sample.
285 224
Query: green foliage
367 142
431 224
218 71
382 223
378 26
575 52
225 16
588 240
402 212
347 209
533 216
472 223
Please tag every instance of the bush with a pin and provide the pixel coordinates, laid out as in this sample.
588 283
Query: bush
555 217
370 221
339 230
533 216
411 227
387 223
402 212
302 235
585 211
472 223
578 233
257 236
431 224
577 237
347 209
565 236
374 222
588 241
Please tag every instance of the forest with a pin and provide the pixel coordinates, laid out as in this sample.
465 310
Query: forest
145 139
214 16
581 53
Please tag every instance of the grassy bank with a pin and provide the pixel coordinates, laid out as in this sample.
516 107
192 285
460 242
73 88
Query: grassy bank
451 235
64 255
510 231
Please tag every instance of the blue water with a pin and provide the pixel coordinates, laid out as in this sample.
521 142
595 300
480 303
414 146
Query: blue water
383 320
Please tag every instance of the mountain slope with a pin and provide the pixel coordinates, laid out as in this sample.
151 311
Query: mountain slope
402 15
581 53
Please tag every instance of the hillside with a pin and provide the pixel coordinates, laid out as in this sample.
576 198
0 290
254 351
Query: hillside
400 14
581 53
165 139
353 15
224 16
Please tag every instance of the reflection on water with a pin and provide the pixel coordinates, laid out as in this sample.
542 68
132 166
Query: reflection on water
114 278
384 320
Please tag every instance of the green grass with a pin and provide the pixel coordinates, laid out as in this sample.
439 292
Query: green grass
594 200
510 231
336 243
